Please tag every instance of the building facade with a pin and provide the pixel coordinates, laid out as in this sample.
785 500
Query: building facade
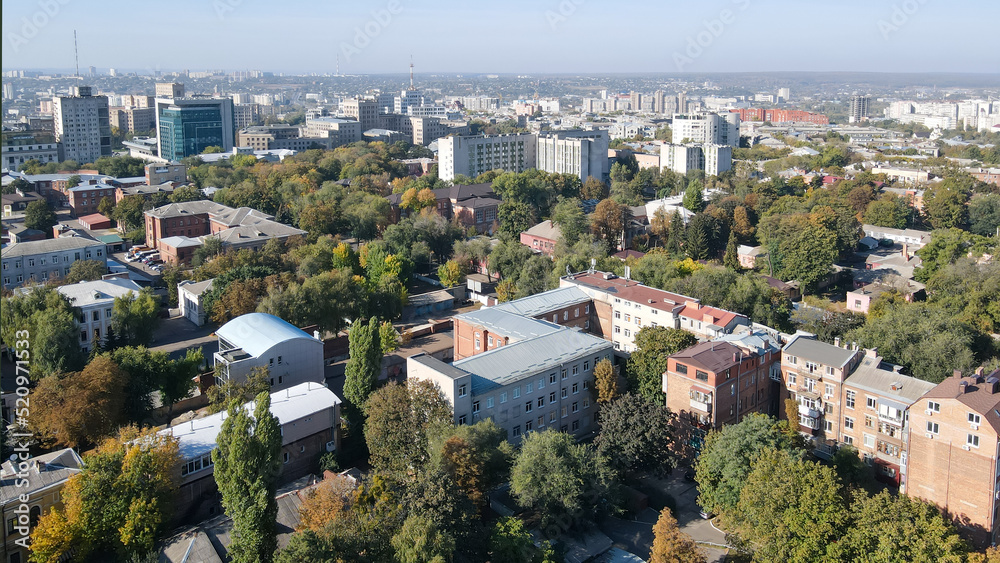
713 159
474 155
19 148
82 125
189 300
96 300
707 128
187 126
43 260
259 340
581 153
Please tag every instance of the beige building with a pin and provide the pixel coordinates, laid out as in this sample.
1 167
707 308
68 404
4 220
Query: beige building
169 90
953 453
133 118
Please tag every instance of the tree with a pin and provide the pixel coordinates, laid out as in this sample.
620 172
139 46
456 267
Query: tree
248 488
86 270
515 217
106 206
476 457
637 435
420 541
228 390
210 248
510 542
365 363
567 483
506 290
731 259
645 367
671 545
327 501
800 247
134 317
187 193
991 555
789 509
80 408
450 273
984 214
38 215
399 417
606 382
53 332
889 211
179 380
742 225
593 188
572 222
608 223
945 203
119 502
240 297
388 338
724 463
128 212
925 339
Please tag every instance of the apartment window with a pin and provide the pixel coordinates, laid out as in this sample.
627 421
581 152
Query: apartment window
576 407
529 388
586 365
933 406
462 419
682 369
586 309
552 378
517 430
848 423
810 385
555 318
869 422
576 388
972 440
586 402
564 412
628 332
461 390
974 419
478 343
552 397
489 340
489 402
869 441
586 384
828 426
829 370
871 402
628 317
576 369
829 407
527 426
700 375
527 406
849 400
576 425
564 393
541 402
618 314
792 378
793 360
849 440
552 417
564 376
828 390
541 383
83 336
475 407
503 397
285 458
576 313
517 392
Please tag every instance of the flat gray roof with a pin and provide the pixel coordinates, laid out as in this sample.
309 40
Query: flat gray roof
507 364
877 376
507 323
546 301
819 352
32 247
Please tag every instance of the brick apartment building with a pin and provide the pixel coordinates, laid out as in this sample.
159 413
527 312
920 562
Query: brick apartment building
715 383
542 238
953 453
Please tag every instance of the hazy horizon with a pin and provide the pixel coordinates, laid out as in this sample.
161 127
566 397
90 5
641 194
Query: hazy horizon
518 37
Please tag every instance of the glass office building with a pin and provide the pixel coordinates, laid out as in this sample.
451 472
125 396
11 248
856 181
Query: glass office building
188 126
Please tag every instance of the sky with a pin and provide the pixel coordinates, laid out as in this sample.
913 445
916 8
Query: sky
513 36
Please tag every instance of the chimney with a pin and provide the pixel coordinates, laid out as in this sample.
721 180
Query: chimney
906 251
895 386
316 335
994 386
957 373
963 387
836 342
979 371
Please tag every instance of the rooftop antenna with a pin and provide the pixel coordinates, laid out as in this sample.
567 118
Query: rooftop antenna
411 73
76 54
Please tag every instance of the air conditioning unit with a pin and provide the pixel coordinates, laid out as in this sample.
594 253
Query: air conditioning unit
966 447
929 412
331 446
929 436
974 426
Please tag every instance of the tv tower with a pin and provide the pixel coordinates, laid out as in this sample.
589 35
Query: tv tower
412 87
76 54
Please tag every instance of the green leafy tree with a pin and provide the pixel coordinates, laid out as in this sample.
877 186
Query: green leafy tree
637 435
890 211
724 463
134 317
365 363
53 333
925 339
128 212
227 390
945 203
947 246
86 270
510 542
593 188
645 367
569 217
450 273
694 197
608 223
420 541
789 509
606 382
731 259
515 217
671 545
247 464
106 206
38 215
566 482
120 503
477 457
984 214
399 417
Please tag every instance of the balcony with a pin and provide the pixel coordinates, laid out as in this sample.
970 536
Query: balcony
808 412
897 420
703 407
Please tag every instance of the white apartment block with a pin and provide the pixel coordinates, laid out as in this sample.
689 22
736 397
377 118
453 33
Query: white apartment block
15 155
189 299
96 300
524 386
581 153
707 128
713 159
339 131
41 260
474 155
82 125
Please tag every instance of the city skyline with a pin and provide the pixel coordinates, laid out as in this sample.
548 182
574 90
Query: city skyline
546 37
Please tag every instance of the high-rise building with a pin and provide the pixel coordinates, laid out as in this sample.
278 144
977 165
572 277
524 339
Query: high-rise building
659 101
187 126
860 106
364 111
712 158
82 125
583 153
132 118
8 90
337 131
474 155
712 128
784 94
169 90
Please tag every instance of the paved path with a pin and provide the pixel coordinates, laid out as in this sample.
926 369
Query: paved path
177 334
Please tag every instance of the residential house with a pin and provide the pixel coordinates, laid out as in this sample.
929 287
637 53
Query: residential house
96 300
542 238
259 340
309 416
41 260
189 300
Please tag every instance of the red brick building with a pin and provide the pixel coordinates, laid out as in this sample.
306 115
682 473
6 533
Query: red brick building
953 453
781 116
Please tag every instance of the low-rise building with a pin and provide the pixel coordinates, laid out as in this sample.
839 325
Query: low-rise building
40 479
542 238
42 260
309 416
258 340
96 300
160 173
530 385
953 453
189 299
